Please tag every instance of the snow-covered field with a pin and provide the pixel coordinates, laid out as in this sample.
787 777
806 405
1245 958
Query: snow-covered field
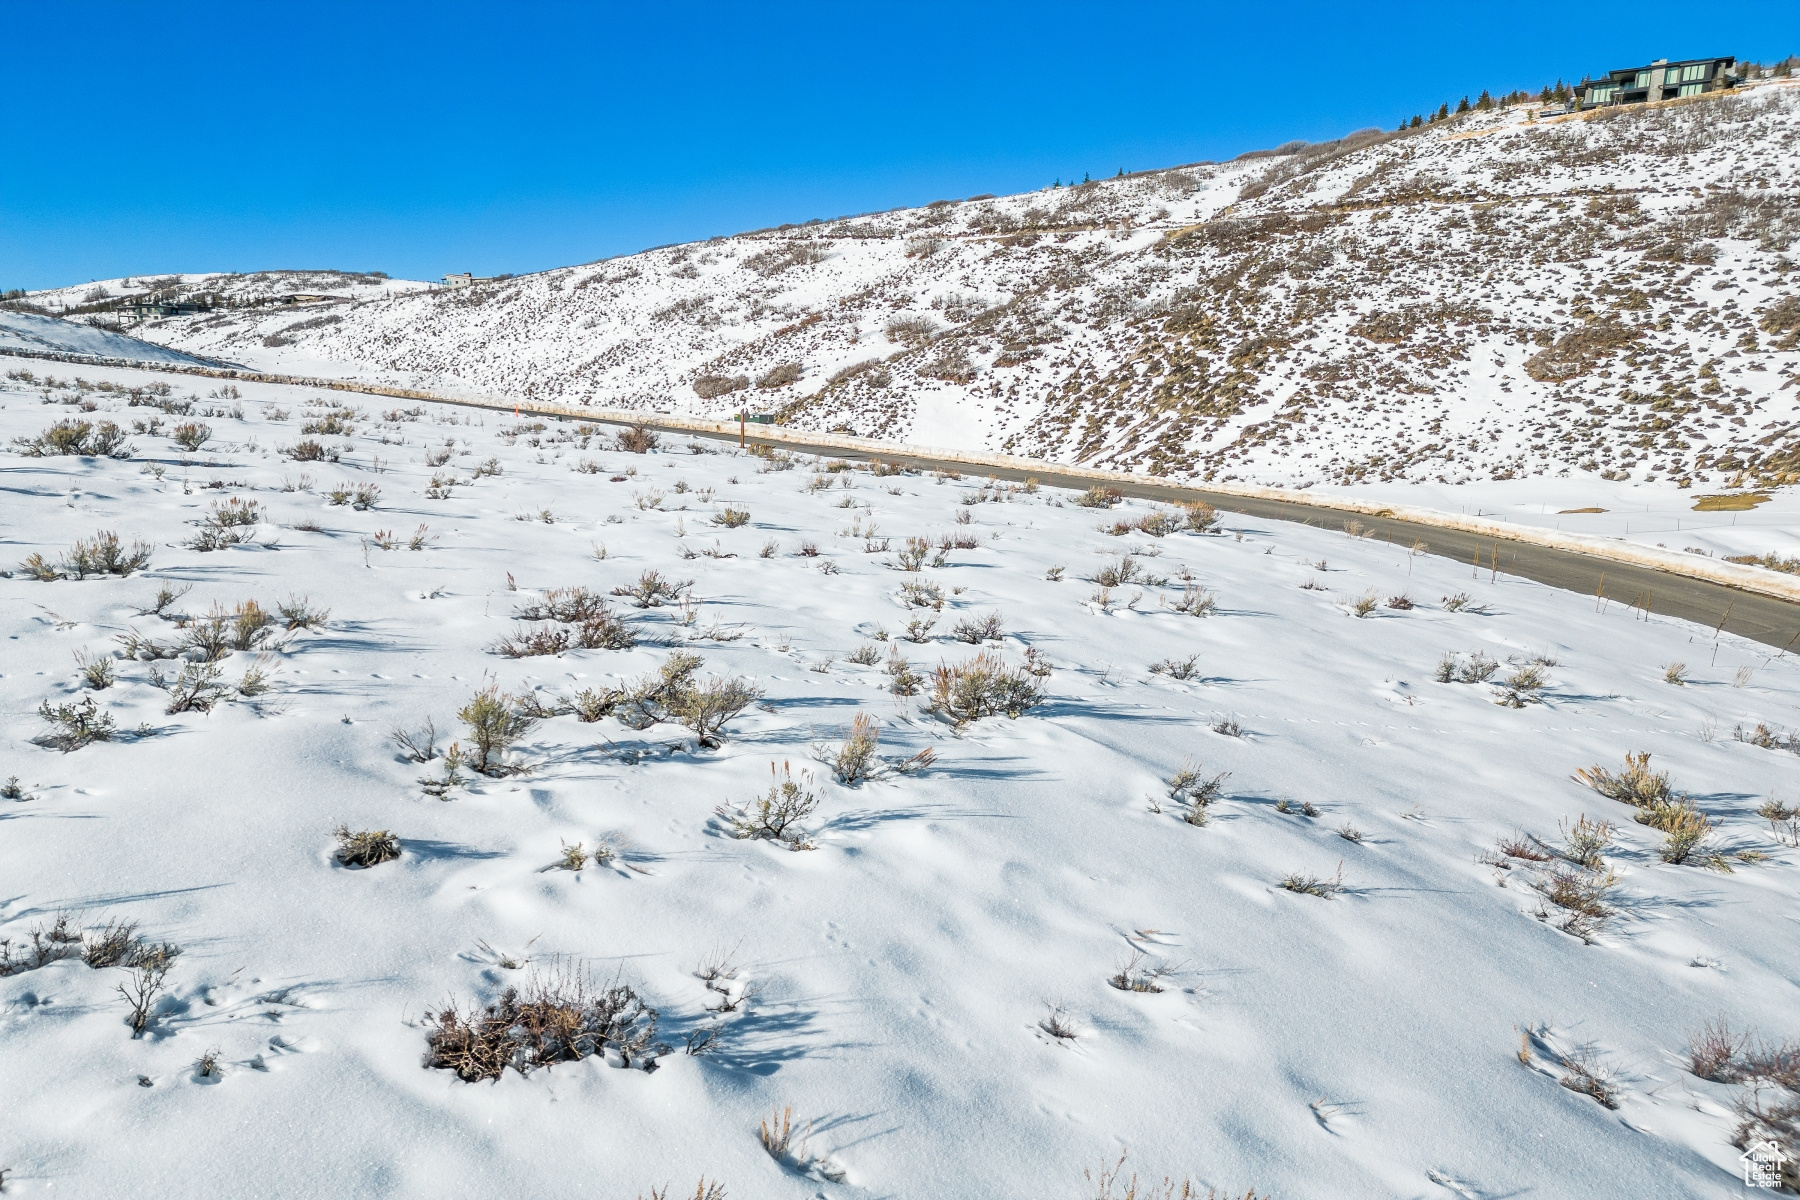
897 982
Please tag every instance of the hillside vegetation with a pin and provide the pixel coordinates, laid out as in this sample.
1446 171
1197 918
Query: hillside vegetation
1487 297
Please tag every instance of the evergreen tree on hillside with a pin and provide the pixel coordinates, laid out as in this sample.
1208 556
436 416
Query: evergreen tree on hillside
1442 112
1417 120
1464 106
1485 102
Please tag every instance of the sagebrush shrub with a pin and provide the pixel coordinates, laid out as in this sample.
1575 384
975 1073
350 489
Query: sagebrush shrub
198 688
495 723
1636 784
983 686
706 707
103 554
73 436
639 439
75 725
191 435
975 630
652 590
777 814
562 1016
1201 516
310 450
365 847
1100 497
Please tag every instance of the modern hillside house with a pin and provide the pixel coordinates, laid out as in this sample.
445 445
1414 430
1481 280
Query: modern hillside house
1661 80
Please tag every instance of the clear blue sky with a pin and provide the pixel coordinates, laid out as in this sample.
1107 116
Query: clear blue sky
424 138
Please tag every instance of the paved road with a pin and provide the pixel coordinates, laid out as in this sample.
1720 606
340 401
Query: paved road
1764 619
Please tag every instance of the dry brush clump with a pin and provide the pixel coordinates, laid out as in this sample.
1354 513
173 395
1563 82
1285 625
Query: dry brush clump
191 435
706 707
776 815
1452 669
62 940
1314 885
1126 570
232 523
1768 1106
1521 687
147 969
533 641
97 673
74 725
1133 976
495 722
1585 1073
198 687
1685 828
1113 1176
976 630
1100 497
365 847
102 554
1195 601
559 1016
73 436
1190 786
1156 524
672 694
298 613
982 686
653 590
638 439
856 760
1580 897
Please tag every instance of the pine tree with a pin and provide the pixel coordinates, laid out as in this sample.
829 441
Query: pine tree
1463 107
1442 112
1417 120
1485 102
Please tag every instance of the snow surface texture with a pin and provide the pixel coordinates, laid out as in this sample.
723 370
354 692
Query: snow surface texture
894 984
1607 297
32 331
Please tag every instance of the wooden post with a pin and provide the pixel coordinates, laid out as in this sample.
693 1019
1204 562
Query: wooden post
740 429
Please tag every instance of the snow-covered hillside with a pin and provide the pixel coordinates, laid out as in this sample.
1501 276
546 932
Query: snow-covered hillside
39 334
103 297
1265 881
1489 298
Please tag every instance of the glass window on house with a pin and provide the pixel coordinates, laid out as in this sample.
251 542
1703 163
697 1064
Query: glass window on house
1692 89
1643 79
1697 71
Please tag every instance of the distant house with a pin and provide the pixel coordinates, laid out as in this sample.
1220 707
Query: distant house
145 309
1661 80
456 281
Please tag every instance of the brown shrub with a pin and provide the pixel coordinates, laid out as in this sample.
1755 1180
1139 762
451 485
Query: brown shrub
708 387
779 376
1580 351
560 1017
